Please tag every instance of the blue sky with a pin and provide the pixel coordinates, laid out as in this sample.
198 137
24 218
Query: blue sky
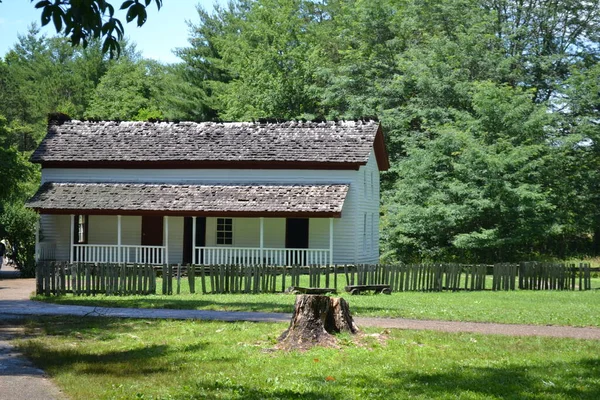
164 30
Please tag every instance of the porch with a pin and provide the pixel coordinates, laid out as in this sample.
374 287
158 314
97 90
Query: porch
120 239
157 224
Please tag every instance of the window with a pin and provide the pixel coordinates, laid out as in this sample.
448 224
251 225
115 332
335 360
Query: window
365 185
81 229
224 231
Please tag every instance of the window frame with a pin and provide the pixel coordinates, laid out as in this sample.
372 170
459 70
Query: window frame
81 228
227 233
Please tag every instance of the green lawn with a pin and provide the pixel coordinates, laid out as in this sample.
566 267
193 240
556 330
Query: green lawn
523 307
96 358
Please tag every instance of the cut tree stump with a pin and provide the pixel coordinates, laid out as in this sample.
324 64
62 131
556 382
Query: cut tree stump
316 318
309 290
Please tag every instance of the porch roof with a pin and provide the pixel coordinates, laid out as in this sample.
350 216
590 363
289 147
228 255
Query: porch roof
190 200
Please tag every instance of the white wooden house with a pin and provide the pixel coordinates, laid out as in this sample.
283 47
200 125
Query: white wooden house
202 193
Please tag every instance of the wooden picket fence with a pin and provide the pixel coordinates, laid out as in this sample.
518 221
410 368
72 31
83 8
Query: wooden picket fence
419 277
273 279
112 279
88 279
549 276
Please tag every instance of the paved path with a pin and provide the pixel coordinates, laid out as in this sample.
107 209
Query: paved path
14 301
19 380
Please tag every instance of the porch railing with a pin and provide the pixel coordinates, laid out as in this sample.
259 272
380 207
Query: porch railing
258 256
102 253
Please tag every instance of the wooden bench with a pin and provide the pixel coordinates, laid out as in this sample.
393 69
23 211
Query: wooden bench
357 289
309 290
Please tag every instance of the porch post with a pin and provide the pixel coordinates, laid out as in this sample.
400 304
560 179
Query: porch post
330 241
166 217
193 240
262 239
72 237
37 239
119 241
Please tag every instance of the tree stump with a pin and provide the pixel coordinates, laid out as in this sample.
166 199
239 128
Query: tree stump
316 318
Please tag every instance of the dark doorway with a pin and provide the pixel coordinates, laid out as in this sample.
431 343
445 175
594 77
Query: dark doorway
296 233
296 237
152 230
188 226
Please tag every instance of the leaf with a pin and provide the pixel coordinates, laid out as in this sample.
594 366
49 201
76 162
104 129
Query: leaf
131 14
106 45
127 4
46 15
41 4
111 10
142 16
119 28
57 18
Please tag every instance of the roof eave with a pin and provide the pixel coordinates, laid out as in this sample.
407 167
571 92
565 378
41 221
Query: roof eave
381 154
204 164
191 213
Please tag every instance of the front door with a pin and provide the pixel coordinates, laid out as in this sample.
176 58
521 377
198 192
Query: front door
152 230
296 237
188 226
296 233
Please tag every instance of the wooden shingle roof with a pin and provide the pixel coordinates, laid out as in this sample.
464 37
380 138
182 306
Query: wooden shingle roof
197 200
336 145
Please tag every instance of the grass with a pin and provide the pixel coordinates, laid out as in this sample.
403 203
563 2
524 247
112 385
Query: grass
128 359
572 308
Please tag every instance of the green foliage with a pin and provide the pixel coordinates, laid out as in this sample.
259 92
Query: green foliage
85 20
123 92
490 107
142 90
474 190
17 224
13 167
253 59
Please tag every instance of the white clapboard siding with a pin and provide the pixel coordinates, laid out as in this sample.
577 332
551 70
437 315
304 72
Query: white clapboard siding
368 188
102 229
54 232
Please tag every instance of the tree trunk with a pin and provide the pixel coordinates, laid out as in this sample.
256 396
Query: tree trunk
315 319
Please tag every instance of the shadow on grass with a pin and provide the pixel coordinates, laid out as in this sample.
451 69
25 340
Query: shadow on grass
107 363
137 359
175 304
573 380
285 305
